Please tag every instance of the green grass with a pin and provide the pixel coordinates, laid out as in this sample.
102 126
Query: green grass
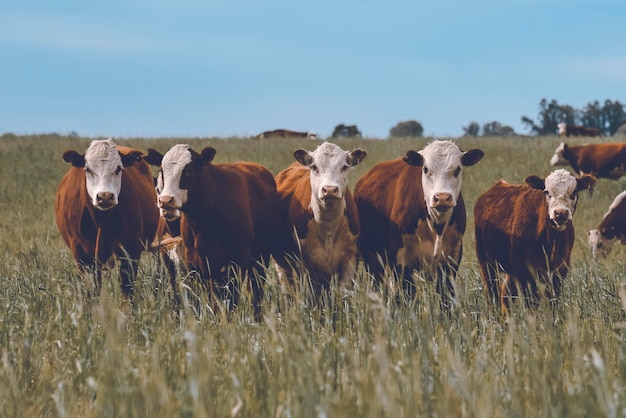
362 354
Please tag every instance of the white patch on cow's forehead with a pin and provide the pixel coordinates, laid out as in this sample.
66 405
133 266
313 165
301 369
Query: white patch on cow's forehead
446 153
560 182
328 150
178 154
104 150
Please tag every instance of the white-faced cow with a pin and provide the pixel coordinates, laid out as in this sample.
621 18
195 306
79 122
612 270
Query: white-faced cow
576 130
106 209
527 233
322 221
413 215
600 160
230 215
285 133
611 229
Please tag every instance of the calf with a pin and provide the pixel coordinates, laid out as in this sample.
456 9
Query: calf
600 160
106 209
413 215
322 223
527 232
230 215
611 229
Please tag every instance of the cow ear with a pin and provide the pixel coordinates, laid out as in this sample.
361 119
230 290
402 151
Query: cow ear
207 155
303 157
131 158
471 157
77 160
356 156
535 182
154 157
585 182
414 158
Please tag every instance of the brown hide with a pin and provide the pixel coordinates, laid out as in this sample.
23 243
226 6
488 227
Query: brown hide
575 130
513 234
390 201
231 217
598 159
125 230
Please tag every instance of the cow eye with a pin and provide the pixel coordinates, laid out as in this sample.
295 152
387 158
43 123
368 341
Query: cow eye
314 167
118 170
425 170
573 196
345 168
88 170
457 171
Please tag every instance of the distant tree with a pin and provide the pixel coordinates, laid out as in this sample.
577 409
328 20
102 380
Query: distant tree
74 134
497 129
621 131
345 131
409 128
550 115
473 129
614 116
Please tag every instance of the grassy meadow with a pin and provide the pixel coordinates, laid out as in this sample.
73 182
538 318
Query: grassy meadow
364 354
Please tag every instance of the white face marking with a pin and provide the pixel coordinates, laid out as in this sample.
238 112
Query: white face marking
442 175
103 171
562 128
561 194
557 158
170 197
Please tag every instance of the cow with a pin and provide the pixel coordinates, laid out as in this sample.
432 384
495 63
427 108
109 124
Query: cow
612 228
106 209
322 223
576 130
230 216
600 160
285 133
526 232
413 216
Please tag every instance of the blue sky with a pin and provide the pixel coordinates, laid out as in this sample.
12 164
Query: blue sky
238 67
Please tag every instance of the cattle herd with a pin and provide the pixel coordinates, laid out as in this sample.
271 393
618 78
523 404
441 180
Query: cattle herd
225 220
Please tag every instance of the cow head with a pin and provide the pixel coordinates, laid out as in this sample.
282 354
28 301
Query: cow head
562 129
179 167
442 165
103 165
601 240
561 191
558 158
329 166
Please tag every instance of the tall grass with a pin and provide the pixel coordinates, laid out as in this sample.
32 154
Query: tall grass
363 353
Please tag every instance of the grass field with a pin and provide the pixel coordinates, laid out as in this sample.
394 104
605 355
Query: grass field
358 355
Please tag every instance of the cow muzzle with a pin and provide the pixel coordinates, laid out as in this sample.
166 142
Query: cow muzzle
105 201
560 219
168 208
330 195
443 202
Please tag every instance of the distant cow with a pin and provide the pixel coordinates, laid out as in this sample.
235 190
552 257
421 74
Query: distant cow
230 215
413 215
322 221
106 208
611 229
284 133
600 160
527 233
576 130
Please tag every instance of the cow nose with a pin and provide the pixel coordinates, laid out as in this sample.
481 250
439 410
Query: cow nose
330 191
561 216
166 201
443 199
105 199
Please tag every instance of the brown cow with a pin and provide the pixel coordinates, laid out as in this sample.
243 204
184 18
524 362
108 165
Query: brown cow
106 208
576 130
285 133
527 232
600 160
413 215
230 217
322 221
612 228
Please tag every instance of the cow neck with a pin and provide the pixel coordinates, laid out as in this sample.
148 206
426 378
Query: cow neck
327 218
201 206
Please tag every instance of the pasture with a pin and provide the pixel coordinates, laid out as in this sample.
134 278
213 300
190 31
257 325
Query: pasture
364 354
